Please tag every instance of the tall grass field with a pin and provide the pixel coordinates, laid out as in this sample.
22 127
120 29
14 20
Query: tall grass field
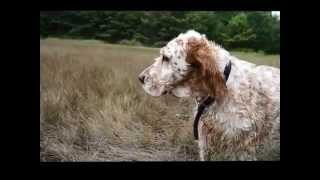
93 108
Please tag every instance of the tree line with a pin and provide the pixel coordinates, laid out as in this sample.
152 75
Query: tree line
258 31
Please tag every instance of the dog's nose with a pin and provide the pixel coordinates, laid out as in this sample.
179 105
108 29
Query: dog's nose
141 78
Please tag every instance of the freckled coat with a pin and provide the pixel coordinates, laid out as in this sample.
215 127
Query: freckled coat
248 118
244 121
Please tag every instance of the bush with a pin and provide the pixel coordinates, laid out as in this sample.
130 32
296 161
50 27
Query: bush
256 30
159 44
243 49
132 42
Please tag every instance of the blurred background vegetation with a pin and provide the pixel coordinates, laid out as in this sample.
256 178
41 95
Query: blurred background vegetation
92 106
234 30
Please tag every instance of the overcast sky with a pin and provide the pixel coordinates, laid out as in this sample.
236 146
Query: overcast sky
276 13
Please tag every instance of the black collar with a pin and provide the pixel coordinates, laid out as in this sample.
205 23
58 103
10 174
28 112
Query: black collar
206 102
226 71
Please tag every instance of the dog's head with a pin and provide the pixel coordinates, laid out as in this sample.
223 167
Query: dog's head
187 66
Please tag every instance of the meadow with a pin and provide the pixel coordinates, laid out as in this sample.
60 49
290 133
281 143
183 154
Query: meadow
93 108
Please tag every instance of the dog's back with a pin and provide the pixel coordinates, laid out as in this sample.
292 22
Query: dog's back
247 125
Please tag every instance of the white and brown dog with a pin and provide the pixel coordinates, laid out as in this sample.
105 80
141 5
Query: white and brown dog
241 100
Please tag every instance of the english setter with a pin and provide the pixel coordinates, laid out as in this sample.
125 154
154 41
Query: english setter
238 103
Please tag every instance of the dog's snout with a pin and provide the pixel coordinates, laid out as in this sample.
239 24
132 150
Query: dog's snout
141 78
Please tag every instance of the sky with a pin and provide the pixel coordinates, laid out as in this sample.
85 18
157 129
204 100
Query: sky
276 13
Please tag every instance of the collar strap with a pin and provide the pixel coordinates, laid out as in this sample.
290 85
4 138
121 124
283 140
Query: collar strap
202 105
206 102
227 70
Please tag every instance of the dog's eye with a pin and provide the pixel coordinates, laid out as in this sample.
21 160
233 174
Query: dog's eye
165 58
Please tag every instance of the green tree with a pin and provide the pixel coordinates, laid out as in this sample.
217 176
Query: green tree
232 29
238 32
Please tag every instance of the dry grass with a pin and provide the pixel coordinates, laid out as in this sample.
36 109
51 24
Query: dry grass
94 109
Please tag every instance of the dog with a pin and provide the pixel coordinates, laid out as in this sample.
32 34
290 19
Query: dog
237 111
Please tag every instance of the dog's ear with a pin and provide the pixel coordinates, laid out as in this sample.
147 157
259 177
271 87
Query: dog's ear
203 58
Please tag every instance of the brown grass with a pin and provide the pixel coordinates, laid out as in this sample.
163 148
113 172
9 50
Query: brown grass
94 109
